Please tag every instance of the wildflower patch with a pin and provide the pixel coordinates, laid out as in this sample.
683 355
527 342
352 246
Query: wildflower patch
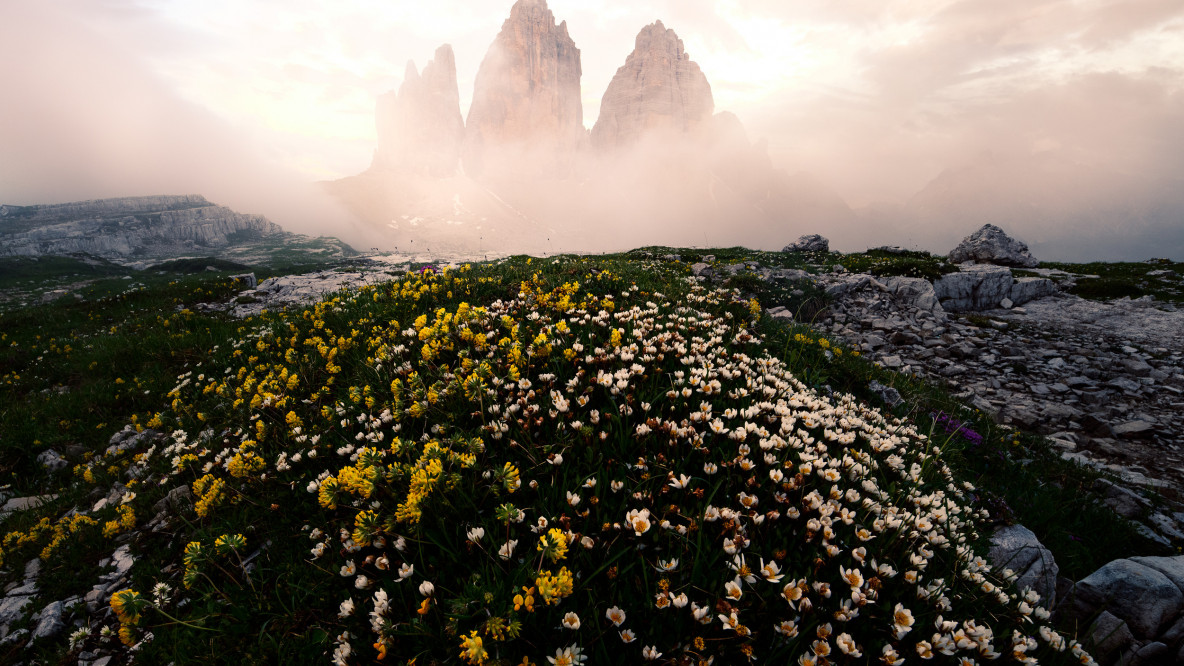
578 470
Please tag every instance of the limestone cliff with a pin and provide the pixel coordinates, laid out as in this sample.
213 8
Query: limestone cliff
420 127
526 116
126 227
658 88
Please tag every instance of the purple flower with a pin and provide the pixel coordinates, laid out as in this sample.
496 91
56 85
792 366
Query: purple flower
955 427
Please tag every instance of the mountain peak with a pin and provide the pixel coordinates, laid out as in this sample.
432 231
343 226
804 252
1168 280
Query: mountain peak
659 88
526 111
420 127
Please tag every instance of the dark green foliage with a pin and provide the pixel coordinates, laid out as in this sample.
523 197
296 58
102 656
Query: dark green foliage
198 265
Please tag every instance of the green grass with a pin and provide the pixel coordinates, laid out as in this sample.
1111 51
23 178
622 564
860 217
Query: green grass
1160 278
18 272
283 609
197 265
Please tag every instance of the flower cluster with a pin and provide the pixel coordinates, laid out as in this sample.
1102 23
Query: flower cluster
687 496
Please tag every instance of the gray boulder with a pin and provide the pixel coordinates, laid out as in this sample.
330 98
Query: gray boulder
889 395
991 245
49 622
1015 547
810 243
1028 289
1109 635
1172 567
915 292
974 288
1141 596
51 460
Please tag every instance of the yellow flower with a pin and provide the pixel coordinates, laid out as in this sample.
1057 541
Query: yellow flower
472 649
126 605
553 545
554 587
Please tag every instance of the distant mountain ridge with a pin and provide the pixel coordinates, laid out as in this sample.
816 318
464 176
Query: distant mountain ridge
139 229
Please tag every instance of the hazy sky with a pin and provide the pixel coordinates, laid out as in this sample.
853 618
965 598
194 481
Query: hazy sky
875 97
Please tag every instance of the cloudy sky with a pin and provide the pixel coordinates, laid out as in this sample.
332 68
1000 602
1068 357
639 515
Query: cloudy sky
874 97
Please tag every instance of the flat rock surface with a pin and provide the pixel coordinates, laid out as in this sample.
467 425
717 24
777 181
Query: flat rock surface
1139 321
1141 596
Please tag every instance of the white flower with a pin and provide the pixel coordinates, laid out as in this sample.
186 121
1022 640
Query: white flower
847 646
680 482
771 571
639 520
406 570
507 549
346 608
426 588
734 591
381 602
318 550
615 615
650 653
160 593
573 499
361 582
681 601
476 533
710 468
571 621
627 636
617 486
78 636
349 568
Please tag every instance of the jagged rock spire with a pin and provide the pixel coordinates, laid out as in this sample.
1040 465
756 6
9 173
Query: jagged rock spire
526 113
658 88
420 128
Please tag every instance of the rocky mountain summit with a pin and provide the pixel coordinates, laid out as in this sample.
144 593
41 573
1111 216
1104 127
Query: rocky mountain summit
420 127
142 230
526 108
658 158
658 89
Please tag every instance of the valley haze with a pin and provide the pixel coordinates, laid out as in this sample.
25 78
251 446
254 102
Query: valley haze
904 123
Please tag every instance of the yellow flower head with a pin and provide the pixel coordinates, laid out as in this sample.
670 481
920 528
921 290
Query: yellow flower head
553 545
126 605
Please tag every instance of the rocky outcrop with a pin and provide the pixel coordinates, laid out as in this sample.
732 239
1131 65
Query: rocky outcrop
1104 380
1015 547
420 127
120 228
658 89
810 243
1135 607
975 288
526 115
990 245
980 287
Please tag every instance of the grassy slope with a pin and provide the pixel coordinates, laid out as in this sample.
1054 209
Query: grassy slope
71 374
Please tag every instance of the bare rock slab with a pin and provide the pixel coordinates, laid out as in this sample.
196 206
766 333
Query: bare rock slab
1015 547
1144 598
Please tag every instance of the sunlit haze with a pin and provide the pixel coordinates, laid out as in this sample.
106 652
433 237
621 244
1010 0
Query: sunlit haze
248 101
